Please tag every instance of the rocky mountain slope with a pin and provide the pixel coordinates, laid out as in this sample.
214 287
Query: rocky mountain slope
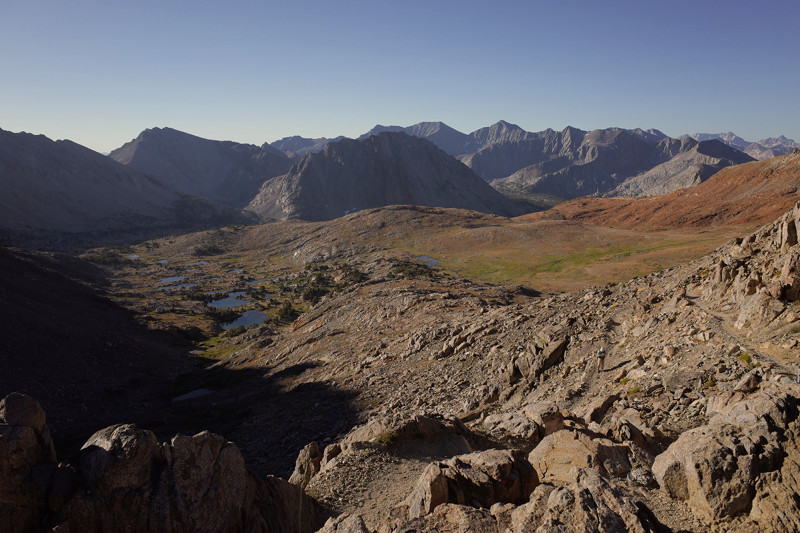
698 384
763 149
744 194
613 161
61 194
385 169
223 171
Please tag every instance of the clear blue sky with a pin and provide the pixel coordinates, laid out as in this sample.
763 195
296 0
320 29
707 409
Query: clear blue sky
99 72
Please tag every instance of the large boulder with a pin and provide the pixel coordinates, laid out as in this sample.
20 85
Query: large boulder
478 479
554 457
27 464
307 465
587 503
719 468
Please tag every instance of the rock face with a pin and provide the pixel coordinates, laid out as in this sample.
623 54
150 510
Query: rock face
224 171
384 169
27 466
127 481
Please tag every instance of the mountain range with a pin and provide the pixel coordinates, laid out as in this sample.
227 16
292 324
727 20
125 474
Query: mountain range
573 162
763 149
165 180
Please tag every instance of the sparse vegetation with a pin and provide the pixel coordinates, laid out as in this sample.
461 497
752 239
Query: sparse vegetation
207 249
410 270
386 438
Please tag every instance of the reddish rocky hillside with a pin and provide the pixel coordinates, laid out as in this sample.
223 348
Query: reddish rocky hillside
750 194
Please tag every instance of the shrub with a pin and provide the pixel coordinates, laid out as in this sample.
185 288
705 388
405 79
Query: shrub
386 438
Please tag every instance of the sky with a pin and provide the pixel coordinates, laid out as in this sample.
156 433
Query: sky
98 72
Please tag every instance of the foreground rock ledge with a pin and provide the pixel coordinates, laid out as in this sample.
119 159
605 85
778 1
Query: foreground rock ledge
127 481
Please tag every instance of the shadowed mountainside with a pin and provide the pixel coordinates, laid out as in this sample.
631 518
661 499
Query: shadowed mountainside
59 195
384 169
224 171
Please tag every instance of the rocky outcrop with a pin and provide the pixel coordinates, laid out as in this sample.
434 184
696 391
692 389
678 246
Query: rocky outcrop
27 465
479 479
126 480
587 503
307 465
722 467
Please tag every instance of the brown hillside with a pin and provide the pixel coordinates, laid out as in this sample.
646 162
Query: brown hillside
751 193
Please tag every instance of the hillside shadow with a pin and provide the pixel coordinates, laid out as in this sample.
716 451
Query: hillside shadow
268 420
90 363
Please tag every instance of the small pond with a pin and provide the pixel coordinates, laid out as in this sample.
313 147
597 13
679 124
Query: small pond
255 281
179 287
196 263
430 261
248 318
232 300
173 279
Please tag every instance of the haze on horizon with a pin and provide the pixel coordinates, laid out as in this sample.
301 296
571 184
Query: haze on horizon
101 72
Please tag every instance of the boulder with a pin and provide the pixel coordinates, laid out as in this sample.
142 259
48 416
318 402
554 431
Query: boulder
27 465
449 434
717 468
478 479
547 415
598 408
307 465
557 454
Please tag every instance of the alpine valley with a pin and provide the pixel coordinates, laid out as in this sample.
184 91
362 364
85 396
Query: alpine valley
418 330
